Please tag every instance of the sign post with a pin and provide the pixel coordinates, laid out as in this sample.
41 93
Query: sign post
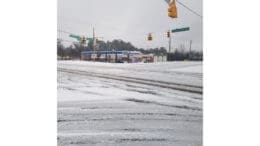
180 29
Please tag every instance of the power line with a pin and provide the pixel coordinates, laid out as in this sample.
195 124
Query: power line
67 41
189 8
67 33
64 31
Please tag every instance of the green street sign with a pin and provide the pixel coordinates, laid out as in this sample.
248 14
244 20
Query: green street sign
75 36
181 29
79 37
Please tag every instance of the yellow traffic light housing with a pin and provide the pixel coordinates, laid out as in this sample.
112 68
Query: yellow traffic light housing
168 34
172 10
150 38
83 40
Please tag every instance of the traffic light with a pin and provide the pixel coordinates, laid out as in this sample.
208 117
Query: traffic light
150 38
172 10
168 34
83 40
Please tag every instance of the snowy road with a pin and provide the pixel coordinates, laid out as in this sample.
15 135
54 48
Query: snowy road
98 105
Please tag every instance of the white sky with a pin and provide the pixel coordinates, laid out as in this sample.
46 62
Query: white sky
131 21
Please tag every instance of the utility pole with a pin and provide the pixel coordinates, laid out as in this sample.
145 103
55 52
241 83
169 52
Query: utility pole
94 43
170 39
190 50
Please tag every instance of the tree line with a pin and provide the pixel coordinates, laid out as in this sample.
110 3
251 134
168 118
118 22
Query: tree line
73 51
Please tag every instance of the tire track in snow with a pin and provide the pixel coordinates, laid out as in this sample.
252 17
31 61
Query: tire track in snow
190 74
163 84
163 104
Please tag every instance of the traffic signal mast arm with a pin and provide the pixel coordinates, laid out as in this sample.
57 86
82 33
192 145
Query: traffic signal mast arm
167 1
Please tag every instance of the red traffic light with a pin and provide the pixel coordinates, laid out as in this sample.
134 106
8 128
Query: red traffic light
83 40
150 38
168 34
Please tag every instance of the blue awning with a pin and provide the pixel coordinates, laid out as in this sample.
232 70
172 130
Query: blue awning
110 52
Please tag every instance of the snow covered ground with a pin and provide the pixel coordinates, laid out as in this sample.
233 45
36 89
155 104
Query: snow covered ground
130 104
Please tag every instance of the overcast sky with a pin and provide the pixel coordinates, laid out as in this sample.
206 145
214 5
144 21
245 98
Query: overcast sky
131 21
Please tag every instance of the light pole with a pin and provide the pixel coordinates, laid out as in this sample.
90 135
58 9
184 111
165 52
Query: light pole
190 50
170 39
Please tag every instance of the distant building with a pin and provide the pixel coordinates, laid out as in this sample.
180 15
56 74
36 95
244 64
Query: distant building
148 58
160 58
116 56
